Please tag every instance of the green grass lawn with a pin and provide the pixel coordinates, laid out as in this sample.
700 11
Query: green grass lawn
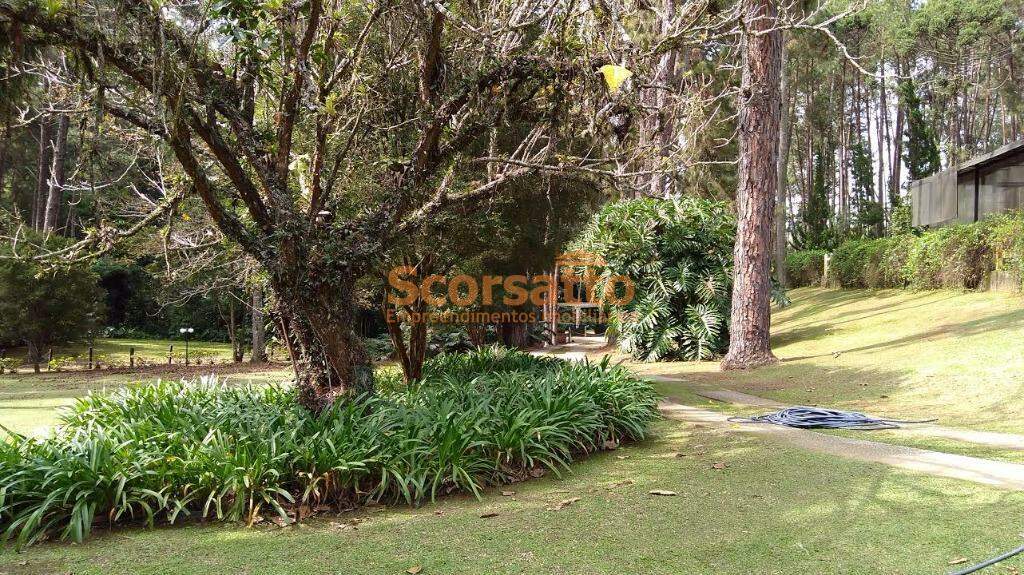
955 356
771 510
29 402
117 351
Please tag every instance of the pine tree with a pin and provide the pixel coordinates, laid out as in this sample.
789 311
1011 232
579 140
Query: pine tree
922 155
869 212
813 231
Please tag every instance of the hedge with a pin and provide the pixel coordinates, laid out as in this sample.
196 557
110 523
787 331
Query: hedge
959 256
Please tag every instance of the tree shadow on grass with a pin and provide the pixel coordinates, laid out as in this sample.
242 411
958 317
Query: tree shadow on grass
861 527
1007 320
825 382
830 299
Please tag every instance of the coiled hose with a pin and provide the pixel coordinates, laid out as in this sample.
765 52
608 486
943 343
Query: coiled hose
805 417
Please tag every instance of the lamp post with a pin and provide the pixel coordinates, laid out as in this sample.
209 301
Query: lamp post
186 331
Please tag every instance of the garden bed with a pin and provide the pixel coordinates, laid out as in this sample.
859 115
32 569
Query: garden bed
202 449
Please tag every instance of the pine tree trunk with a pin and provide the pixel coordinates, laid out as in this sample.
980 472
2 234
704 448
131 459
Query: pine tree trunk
45 158
749 345
783 167
897 152
259 327
661 183
5 143
55 195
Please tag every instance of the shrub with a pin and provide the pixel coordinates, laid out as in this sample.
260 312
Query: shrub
203 449
678 254
848 263
42 307
805 267
956 257
61 362
1006 240
9 364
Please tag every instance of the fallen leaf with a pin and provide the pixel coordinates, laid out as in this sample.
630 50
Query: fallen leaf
508 493
280 521
662 492
958 561
622 456
488 515
564 503
414 569
624 483
718 465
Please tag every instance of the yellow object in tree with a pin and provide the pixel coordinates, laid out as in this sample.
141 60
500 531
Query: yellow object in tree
615 76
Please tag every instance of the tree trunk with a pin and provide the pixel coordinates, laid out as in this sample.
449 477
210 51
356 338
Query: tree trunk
330 359
880 144
897 152
514 334
43 171
759 148
5 143
259 327
412 355
660 185
55 195
782 171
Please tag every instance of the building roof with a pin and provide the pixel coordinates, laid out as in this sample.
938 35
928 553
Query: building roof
991 156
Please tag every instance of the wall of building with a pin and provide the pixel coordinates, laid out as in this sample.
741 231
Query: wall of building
948 197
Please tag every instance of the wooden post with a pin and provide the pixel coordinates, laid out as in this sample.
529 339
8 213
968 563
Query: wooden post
554 304
170 353
90 357
131 357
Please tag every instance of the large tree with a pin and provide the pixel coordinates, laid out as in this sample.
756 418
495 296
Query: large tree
318 133
758 181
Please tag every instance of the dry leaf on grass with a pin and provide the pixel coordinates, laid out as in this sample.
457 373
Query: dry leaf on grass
414 569
508 493
488 515
624 483
662 492
958 561
564 503
718 465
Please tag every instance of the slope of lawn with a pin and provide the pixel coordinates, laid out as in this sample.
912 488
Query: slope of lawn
955 356
770 510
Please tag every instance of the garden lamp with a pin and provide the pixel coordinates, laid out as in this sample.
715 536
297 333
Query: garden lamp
186 331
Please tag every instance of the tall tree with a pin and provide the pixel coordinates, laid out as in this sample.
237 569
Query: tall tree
55 195
749 344
785 132
922 150
43 166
